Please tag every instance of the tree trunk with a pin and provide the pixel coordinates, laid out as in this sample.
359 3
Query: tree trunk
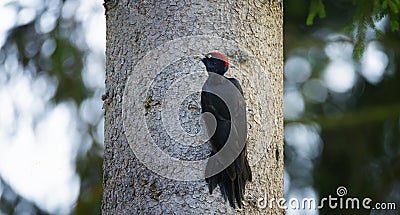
155 150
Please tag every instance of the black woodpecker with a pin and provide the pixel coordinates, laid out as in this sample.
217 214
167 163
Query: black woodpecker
223 98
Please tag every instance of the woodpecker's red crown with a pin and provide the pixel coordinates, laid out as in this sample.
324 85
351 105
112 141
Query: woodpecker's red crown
219 56
216 62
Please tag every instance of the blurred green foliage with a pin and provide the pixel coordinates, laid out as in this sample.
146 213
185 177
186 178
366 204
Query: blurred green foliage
365 14
359 128
59 54
316 8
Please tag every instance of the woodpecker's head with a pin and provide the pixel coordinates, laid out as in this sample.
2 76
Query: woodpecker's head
216 62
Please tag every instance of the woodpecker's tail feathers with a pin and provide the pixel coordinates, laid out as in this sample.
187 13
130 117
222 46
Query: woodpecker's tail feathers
232 181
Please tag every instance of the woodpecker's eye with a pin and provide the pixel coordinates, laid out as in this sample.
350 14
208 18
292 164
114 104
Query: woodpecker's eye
209 56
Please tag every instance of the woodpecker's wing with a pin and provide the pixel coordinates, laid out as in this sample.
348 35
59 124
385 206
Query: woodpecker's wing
237 85
231 128
241 164
239 113
223 98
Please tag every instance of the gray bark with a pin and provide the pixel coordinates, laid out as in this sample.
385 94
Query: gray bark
151 61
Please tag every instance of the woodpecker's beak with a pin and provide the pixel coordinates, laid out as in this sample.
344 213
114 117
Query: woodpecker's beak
200 56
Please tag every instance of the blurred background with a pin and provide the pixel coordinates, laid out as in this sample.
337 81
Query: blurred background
341 102
51 119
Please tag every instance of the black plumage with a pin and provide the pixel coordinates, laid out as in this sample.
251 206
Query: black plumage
223 97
